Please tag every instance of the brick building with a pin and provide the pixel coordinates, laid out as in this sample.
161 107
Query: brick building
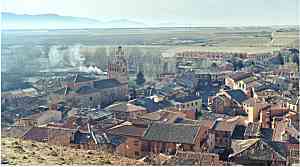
168 138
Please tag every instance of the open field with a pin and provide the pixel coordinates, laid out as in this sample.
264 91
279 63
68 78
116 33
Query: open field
205 36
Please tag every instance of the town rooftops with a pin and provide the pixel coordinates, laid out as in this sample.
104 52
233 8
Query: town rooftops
125 106
238 132
266 133
87 89
239 146
106 83
227 125
151 105
79 78
203 123
249 79
163 116
240 76
174 133
237 95
272 151
127 130
82 78
185 99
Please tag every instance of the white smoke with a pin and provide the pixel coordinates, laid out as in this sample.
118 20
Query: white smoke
55 56
62 56
91 69
65 56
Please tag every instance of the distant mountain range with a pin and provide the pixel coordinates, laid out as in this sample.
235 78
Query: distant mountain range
54 21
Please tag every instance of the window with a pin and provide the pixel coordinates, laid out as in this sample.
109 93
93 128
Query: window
136 153
136 143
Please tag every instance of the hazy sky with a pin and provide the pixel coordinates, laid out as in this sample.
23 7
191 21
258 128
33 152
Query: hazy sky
181 12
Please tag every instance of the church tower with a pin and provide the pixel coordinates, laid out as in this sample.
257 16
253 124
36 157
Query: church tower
117 68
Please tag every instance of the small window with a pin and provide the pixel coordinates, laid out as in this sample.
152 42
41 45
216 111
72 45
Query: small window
136 153
136 143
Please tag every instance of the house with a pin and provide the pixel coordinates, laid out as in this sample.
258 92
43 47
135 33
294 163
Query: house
293 153
125 110
250 106
153 103
252 130
60 136
127 140
220 104
220 135
265 116
84 140
233 81
168 138
78 80
239 132
76 121
256 110
162 116
192 103
293 104
284 132
41 118
101 126
19 93
100 92
39 134
77 138
229 102
237 96
258 152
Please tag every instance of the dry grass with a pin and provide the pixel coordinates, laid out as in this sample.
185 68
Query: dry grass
20 152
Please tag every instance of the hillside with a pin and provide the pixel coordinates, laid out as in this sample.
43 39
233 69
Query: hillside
20 152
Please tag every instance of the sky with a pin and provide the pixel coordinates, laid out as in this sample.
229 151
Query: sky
178 12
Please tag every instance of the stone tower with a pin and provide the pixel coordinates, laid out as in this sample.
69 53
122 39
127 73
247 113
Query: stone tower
117 68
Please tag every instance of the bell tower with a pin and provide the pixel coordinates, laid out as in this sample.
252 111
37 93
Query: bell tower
117 68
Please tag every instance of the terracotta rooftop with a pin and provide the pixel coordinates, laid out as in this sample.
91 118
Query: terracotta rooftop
127 130
174 133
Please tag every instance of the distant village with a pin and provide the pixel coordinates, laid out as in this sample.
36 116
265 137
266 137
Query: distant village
204 108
